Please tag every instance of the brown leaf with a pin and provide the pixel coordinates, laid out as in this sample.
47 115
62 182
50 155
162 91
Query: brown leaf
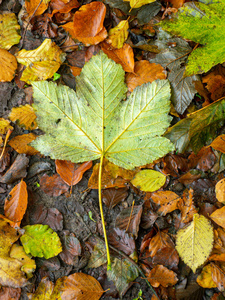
17 170
123 56
161 275
174 163
111 197
218 252
218 216
219 143
122 240
204 160
71 248
71 173
8 66
187 206
215 83
87 25
81 286
20 143
144 72
168 201
189 177
218 275
75 71
8 293
177 3
148 217
25 115
5 160
53 186
16 202
123 219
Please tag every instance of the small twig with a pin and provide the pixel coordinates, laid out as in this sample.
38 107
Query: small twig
130 216
133 263
28 22
6 140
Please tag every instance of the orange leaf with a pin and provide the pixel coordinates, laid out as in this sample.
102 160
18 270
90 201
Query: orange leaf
8 66
218 252
144 72
25 115
168 201
31 6
62 6
81 286
87 26
161 275
123 56
15 206
220 190
218 216
219 143
70 172
187 207
20 144
75 71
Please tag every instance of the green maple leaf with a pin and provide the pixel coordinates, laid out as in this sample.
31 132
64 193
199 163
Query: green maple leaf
203 24
95 121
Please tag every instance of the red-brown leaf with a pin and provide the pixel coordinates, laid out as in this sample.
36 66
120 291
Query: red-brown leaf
53 186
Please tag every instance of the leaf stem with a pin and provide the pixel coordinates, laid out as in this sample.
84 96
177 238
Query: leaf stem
101 211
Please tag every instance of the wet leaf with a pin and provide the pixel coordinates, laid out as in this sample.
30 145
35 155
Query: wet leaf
204 160
199 17
131 217
205 278
194 243
161 275
111 197
47 216
122 241
53 185
25 116
98 255
198 128
168 201
87 26
218 216
119 34
122 274
71 248
41 63
9 28
20 143
149 180
123 56
8 66
44 289
219 143
102 136
218 275
16 202
144 72
70 172
40 241
5 126
31 6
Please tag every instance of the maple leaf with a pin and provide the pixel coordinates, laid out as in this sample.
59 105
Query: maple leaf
203 24
127 133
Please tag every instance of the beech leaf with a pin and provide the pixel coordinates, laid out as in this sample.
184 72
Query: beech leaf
149 180
90 114
8 65
139 3
194 243
25 115
119 34
9 28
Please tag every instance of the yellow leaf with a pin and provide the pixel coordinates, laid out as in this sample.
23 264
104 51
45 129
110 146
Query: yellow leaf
33 6
205 278
8 66
42 62
220 190
149 180
25 115
20 144
9 28
4 126
195 242
119 34
139 3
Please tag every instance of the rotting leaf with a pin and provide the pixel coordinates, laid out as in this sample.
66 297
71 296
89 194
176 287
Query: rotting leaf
161 275
149 180
194 242
25 115
53 185
40 241
98 255
9 28
71 248
122 241
187 207
20 143
168 201
218 275
111 197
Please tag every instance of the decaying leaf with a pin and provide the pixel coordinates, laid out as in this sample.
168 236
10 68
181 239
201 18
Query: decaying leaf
41 63
168 201
53 185
112 196
71 173
16 203
25 115
8 66
71 248
5 126
144 72
161 275
9 28
218 216
98 134
220 190
194 243
119 34
219 143
149 180
193 22
218 275
40 241
20 143
187 206
123 241
98 255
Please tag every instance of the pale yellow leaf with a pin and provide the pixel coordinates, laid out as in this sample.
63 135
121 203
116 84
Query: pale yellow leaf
149 180
8 66
9 28
25 115
119 34
139 3
194 242
42 62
